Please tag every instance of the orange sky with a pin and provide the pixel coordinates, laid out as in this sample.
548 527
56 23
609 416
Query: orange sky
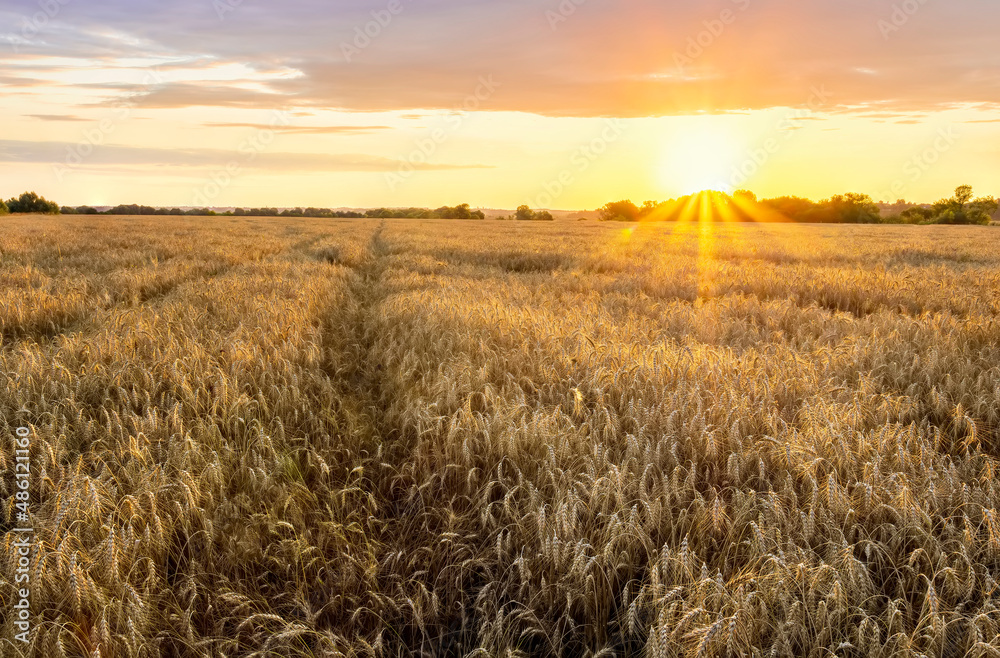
556 104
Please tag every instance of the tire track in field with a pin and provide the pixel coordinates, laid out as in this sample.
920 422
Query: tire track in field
405 527
368 438
359 377
366 387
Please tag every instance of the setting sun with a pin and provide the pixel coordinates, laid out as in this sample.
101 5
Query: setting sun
699 160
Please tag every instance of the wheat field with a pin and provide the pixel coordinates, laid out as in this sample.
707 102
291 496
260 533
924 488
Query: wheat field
273 437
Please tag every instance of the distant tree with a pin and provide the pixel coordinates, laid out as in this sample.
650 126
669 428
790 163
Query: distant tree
892 213
983 209
852 208
125 209
916 215
745 195
962 209
792 208
963 194
619 211
4 210
526 214
461 211
648 208
848 208
29 202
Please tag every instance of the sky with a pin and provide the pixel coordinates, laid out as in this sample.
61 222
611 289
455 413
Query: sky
561 104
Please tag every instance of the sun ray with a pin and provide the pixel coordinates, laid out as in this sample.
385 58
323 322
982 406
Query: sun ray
706 247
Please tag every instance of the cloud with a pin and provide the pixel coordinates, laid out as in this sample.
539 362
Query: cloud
56 117
593 59
56 153
179 95
19 81
304 130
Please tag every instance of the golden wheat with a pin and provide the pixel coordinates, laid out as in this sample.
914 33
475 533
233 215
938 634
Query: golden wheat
260 437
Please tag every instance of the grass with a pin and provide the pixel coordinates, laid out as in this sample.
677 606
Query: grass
260 437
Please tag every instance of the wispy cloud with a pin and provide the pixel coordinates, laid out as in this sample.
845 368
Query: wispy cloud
304 130
56 117
20 81
180 95
55 152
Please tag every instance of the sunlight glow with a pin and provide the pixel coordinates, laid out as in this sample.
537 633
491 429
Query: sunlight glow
698 160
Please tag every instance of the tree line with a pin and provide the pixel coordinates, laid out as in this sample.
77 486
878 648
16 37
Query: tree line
851 208
29 202
742 206
462 211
